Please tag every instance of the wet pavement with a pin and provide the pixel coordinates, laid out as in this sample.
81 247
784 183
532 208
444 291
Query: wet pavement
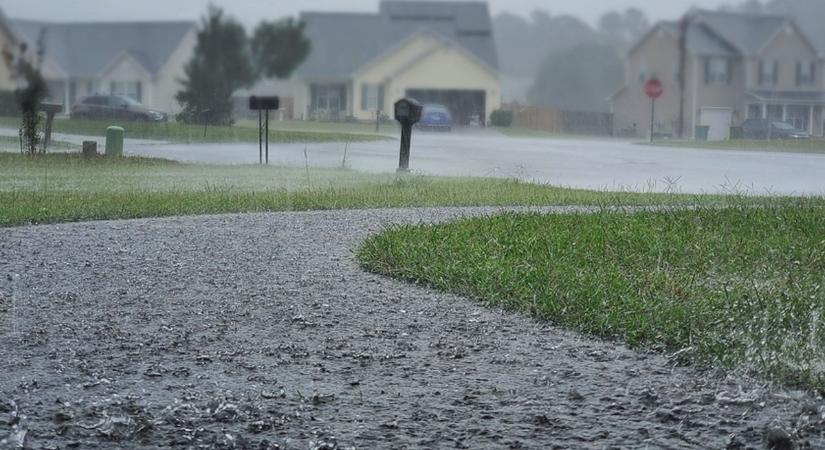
260 332
588 163
580 163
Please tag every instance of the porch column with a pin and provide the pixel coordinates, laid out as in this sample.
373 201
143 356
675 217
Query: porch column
67 108
764 110
811 120
784 113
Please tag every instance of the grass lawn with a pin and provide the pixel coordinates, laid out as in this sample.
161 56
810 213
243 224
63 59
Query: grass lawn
12 144
185 133
516 132
738 287
801 146
366 128
65 187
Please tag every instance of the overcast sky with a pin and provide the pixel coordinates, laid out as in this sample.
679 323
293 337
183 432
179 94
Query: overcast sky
251 11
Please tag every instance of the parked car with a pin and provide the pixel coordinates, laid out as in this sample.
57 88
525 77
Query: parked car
765 129
115 107
436 117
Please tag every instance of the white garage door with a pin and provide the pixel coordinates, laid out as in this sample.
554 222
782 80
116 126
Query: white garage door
719 121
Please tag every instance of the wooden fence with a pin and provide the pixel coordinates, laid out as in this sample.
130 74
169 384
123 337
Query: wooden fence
558 121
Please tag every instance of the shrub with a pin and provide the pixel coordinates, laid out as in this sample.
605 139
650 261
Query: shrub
501 118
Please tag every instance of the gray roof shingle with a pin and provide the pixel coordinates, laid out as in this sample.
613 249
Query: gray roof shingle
749 33
344 42
85 49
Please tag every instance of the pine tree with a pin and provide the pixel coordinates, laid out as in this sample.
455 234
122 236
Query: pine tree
221 64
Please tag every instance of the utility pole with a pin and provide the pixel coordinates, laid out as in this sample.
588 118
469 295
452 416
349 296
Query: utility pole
683 31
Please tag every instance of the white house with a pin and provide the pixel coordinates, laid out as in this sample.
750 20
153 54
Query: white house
7 49
142 60
437 52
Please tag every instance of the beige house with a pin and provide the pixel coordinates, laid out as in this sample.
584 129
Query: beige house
738 66
436 52
7 50
142 60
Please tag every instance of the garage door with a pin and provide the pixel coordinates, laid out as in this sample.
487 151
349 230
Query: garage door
465 105
719 121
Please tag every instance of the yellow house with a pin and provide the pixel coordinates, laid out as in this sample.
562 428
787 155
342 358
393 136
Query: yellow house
436 52
7 44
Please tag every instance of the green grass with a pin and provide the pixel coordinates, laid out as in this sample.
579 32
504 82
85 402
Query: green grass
736 287
362 128
186 133
12 144
66 187
801 146
517 132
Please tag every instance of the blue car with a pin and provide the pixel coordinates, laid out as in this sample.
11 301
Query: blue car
436 117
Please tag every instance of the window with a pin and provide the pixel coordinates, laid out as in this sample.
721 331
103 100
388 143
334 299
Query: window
806 74
372 97
798 116
768 73
328 98
717 71
754 111
131 89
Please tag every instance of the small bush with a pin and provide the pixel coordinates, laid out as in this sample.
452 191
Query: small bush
501 118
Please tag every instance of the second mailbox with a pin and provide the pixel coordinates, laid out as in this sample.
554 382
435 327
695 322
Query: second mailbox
408 111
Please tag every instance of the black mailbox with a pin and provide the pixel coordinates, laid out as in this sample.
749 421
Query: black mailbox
408 111
264 103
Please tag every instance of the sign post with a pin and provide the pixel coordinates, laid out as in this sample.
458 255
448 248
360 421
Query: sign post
263 105
654 89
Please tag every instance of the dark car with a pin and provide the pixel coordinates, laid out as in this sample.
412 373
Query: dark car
436 117
115 107
765 129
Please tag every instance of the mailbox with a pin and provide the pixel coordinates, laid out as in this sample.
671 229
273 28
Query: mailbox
408 111
264 103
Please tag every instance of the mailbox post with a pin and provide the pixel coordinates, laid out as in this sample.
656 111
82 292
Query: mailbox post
407 113
262 104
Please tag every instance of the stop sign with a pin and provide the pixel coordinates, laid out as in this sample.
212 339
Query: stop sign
654 88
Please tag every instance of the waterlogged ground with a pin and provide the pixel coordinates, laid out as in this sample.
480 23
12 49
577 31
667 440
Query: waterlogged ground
260 331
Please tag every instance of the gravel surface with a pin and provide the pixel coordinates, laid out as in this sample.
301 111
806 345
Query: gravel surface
260 331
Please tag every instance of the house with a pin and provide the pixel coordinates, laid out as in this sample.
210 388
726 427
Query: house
8 42
267 86
436 52
737 66
142 60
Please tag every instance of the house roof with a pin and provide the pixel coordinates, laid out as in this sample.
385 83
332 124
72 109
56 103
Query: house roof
86 49
701 40
798 97
720 33
5 27
344 42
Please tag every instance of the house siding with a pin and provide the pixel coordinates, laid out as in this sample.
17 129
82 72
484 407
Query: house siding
658 55
166 83
7 82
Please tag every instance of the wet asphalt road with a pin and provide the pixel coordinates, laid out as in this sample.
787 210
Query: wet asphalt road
573 162
261 332
579 163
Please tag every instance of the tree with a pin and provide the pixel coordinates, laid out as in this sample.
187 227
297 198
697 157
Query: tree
221 64
579 79
624 28
279 47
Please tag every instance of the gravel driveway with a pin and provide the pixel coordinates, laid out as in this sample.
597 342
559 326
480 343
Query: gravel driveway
260 331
